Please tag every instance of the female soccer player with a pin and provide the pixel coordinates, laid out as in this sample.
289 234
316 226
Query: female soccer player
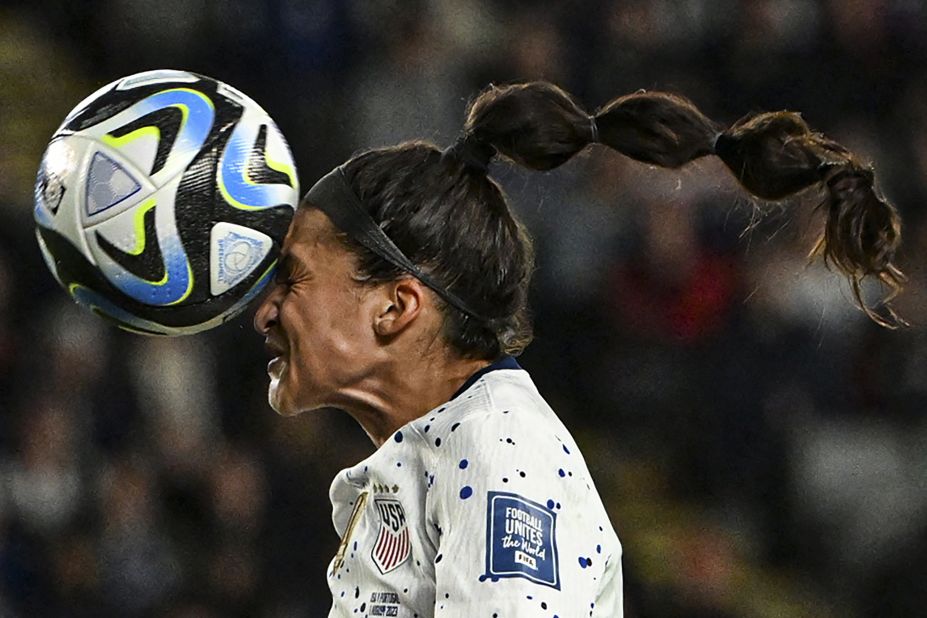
401 299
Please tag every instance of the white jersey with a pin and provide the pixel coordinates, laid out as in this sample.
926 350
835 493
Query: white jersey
481 507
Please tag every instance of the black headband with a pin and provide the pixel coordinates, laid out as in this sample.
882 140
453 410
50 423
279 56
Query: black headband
333 195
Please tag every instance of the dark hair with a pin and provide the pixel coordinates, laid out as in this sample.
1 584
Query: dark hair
450 218
453 222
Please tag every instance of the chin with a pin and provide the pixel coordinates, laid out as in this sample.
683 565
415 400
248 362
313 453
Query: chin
284 404
276 399
289 396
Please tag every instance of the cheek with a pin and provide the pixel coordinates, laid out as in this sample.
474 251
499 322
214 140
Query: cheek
342 327
324 339
328 313
343 338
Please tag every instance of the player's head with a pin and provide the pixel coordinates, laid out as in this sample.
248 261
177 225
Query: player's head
338 312
469 264
416 212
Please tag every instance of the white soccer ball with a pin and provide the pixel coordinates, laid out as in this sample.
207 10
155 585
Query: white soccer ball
162 200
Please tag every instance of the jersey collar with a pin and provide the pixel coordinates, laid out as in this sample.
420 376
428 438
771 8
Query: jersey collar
506 362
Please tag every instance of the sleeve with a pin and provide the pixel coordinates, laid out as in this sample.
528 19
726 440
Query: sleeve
514 534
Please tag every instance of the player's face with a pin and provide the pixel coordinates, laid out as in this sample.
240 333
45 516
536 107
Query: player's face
317 320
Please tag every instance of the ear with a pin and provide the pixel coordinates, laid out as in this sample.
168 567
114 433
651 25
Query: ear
402 305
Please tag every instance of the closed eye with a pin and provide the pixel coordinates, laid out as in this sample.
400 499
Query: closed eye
284 270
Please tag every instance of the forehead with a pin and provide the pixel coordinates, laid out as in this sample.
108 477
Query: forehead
310 233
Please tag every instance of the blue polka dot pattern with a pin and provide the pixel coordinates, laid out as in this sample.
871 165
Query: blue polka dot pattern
440 469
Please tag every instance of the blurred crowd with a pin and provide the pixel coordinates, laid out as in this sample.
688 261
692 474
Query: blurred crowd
760 444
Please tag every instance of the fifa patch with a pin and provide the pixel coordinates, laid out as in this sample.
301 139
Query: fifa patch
392 546
521 540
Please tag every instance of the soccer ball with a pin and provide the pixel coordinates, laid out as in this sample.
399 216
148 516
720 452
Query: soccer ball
162 200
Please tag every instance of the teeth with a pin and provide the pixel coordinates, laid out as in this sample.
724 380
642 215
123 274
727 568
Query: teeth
275 366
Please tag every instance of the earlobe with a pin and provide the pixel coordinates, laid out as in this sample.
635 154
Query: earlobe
402 307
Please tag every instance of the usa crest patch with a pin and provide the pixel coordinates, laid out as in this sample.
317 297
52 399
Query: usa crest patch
520 540
391 547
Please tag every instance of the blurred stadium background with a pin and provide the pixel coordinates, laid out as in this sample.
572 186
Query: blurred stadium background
761 446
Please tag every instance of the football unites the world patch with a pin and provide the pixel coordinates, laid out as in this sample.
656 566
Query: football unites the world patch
392 546
521 539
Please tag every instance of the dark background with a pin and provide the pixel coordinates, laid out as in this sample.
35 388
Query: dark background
761 446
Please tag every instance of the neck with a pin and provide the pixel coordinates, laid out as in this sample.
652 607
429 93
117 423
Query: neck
401 393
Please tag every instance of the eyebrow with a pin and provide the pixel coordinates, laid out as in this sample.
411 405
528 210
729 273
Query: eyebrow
285 265
289 263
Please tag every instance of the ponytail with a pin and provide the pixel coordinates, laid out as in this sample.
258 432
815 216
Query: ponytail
772 155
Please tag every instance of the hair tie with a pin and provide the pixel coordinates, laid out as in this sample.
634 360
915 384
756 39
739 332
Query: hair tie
594 128
471 151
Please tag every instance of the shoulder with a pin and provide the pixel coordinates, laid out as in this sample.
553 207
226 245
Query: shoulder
500 410
510 495
498 435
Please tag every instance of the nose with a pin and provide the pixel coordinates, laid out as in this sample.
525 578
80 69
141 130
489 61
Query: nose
269 310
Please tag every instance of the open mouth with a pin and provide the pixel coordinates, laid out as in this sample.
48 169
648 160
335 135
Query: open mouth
276 352
274 366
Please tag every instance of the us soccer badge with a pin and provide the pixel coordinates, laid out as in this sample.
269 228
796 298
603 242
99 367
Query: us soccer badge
391 547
